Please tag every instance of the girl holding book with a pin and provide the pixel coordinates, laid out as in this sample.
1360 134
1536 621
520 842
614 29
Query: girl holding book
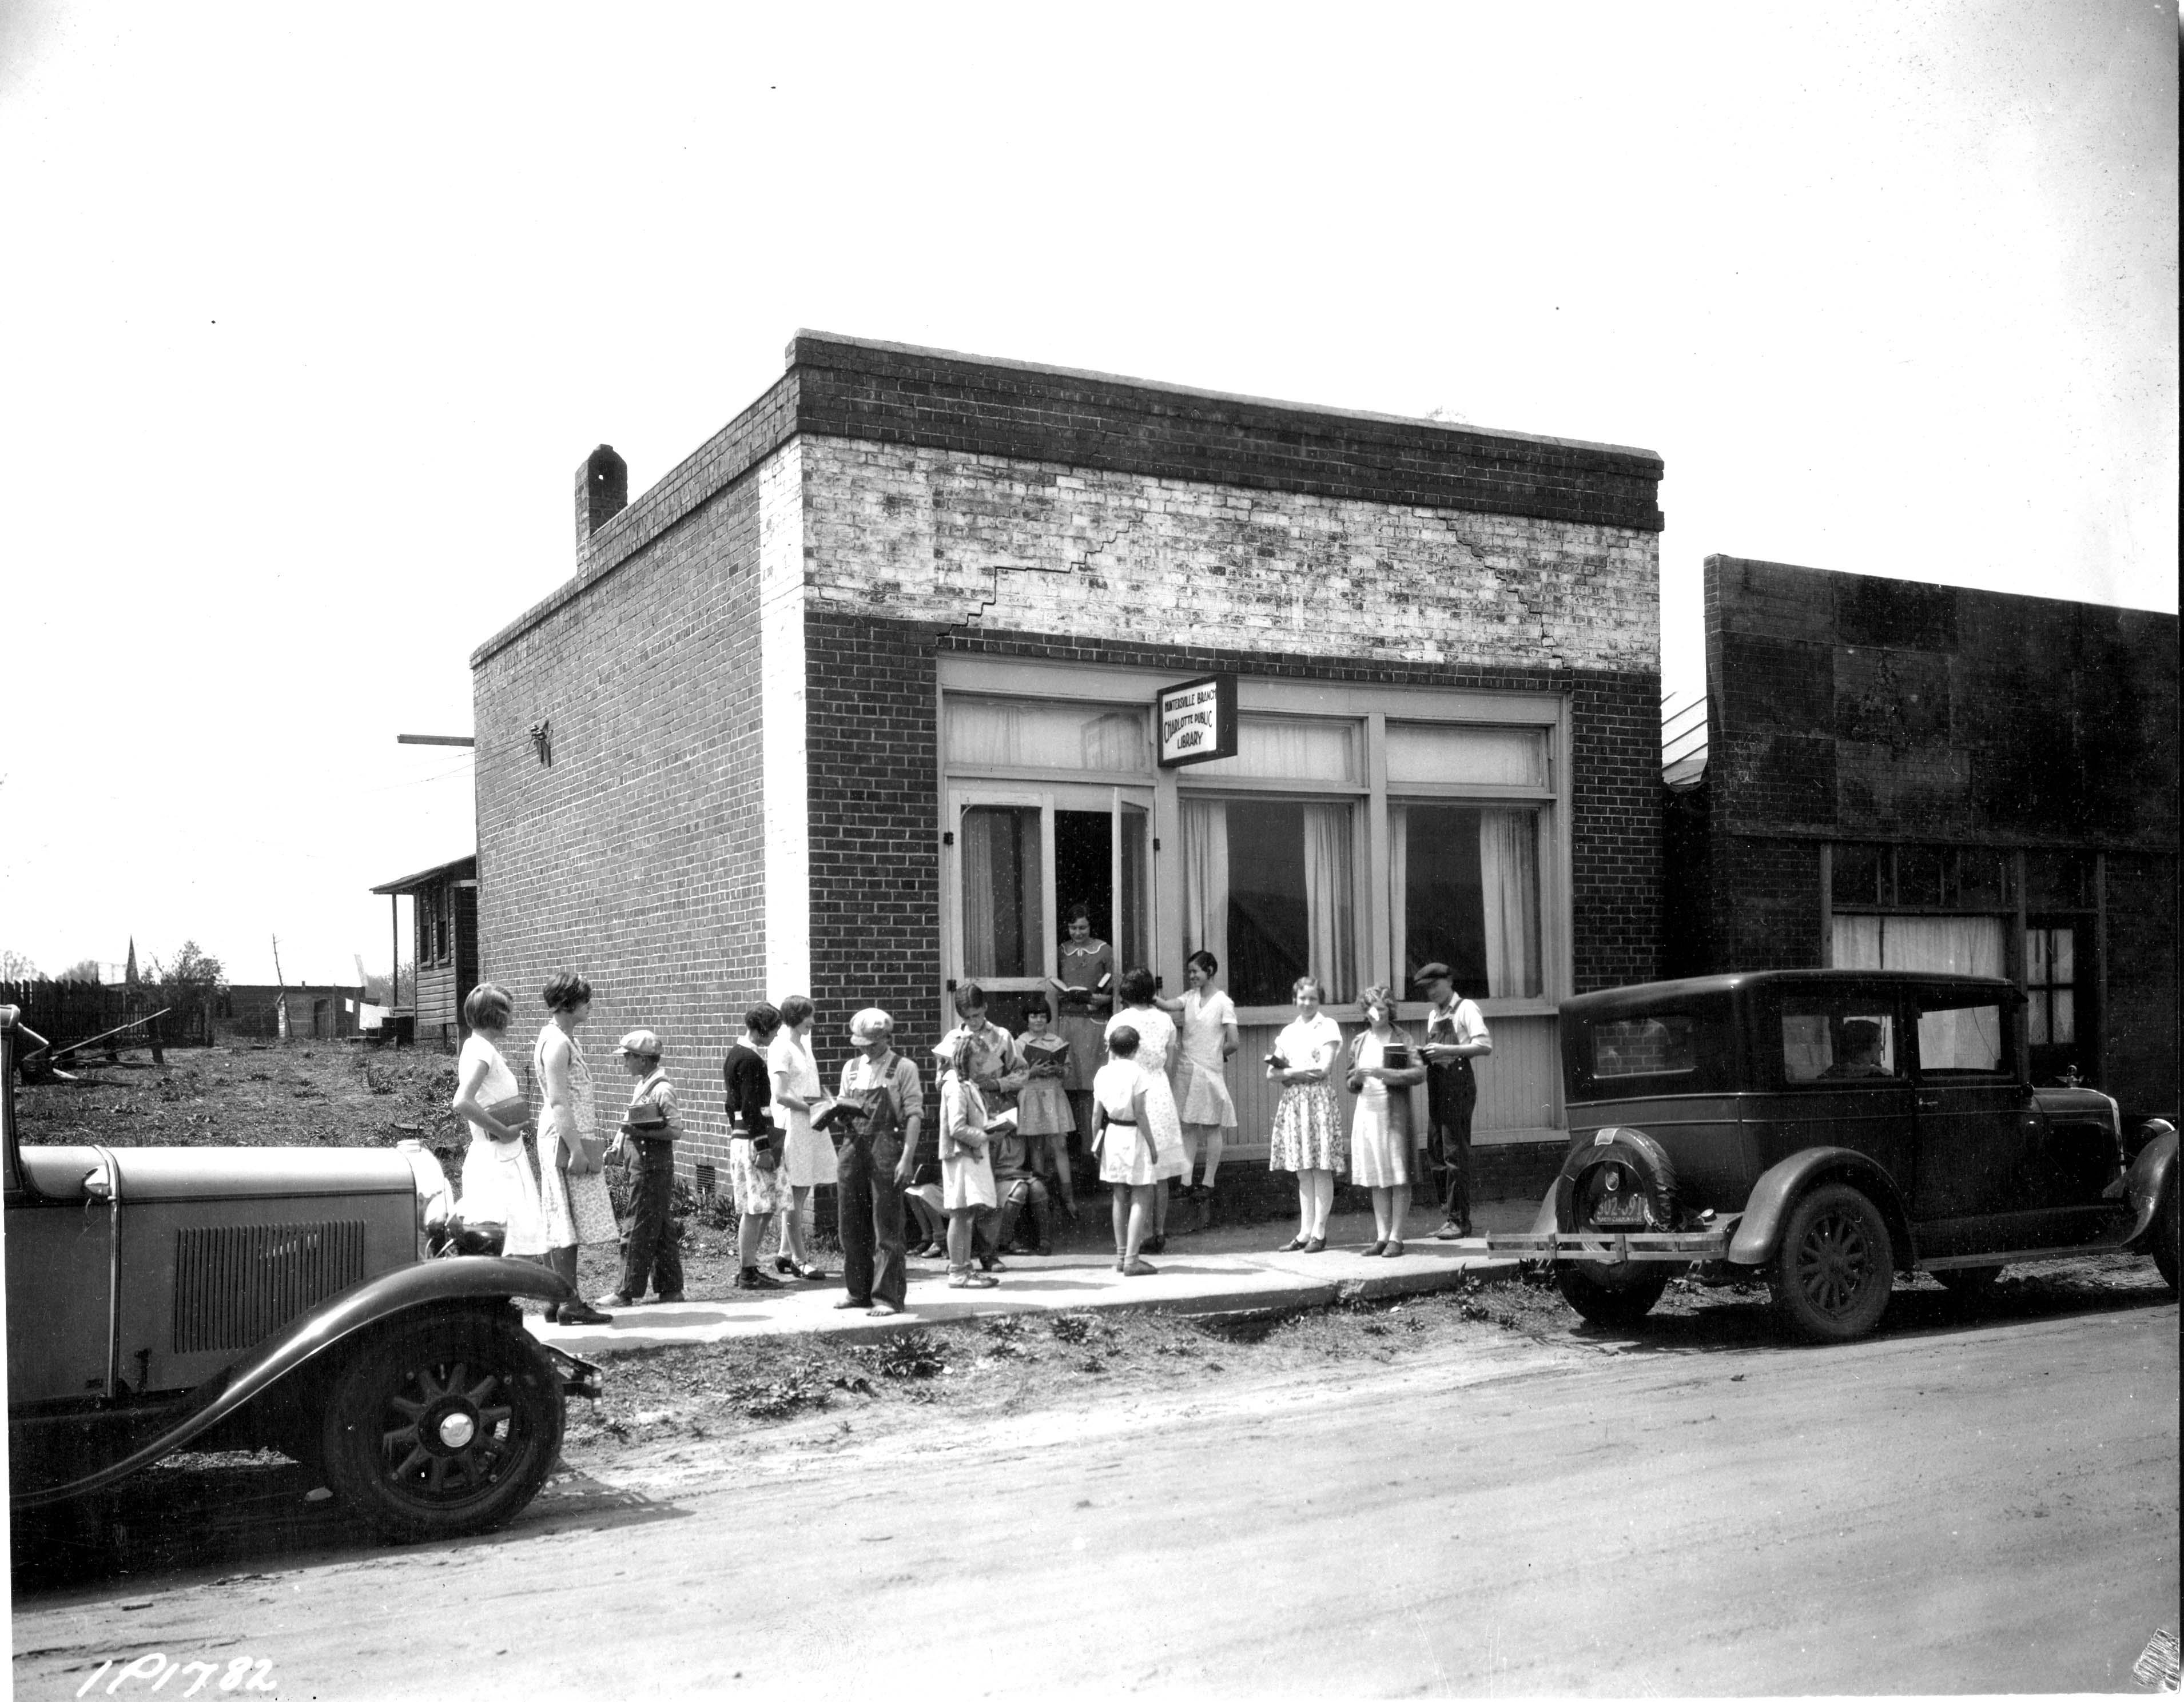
1383 1067
1043 1118
966 1176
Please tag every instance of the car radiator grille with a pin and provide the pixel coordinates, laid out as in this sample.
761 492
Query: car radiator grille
234 1286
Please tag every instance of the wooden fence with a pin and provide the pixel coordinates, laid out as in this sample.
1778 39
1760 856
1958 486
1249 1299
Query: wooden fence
67 1011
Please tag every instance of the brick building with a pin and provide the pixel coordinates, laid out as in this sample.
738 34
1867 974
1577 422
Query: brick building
1914 776
858 701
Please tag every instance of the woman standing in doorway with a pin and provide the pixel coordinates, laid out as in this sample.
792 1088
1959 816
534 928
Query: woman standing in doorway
572 1188
807 1158
1308 1137
1383 1067
1087 989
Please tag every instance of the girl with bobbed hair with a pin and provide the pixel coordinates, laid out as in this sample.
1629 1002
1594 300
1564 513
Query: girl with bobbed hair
1383 1067
1085 992
572 1189
1209 1040
1308 1137
497 1185
753 1142
1155 1050
807 1159
1127 1135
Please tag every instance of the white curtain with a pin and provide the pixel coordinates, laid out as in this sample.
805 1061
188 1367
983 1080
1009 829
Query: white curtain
1509 885
1399 889
1968 1039
1206 878
978 878
1329 900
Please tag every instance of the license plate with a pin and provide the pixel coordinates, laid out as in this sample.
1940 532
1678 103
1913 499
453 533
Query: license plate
1626 1208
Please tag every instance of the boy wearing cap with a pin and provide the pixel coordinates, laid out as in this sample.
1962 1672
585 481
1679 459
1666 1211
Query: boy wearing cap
879 1157
647 1131
1456 1033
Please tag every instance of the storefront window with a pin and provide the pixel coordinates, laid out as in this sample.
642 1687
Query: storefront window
1463 889
1941 945
1004 926
1291 748
1008 732
1268 889
1421 752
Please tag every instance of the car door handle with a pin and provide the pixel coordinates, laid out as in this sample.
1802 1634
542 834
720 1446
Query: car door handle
1929 1102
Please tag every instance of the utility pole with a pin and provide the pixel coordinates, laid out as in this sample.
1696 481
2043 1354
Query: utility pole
280 994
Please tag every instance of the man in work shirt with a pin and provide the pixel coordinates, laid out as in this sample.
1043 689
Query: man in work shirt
878 1159
1456 1033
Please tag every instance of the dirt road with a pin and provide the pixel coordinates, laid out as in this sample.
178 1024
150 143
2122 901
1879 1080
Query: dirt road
1976 1504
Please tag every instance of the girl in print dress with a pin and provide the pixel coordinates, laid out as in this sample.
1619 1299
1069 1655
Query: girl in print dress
1308 1136
1043 1118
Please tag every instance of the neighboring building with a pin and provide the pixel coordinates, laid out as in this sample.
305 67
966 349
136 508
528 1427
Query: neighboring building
858 701
445 916
1914 776
314 1013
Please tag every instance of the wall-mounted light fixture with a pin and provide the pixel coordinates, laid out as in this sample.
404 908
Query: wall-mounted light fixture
542 741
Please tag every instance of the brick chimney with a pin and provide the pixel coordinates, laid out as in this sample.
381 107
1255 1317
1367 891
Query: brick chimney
602 492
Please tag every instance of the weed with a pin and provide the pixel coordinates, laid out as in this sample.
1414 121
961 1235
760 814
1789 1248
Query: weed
1070 1328
909 1356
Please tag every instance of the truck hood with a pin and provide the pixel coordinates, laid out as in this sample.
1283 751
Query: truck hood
202 1173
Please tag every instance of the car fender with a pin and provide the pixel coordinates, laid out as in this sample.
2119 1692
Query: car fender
2152 1173
431 1283
1759 1232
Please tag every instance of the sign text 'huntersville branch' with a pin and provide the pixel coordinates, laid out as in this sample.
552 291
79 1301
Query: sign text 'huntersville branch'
1197 720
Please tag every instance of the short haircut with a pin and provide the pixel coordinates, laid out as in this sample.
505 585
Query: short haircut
1860 1033
1206 960
487 1007
1123 1041
762 1019
1138 986
970 996
1298 985
564 991
1075 914
1379 995
796 1009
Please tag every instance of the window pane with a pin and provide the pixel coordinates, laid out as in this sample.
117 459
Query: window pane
2036 957
1463 889
2061 953
1965 1040
2035 1019
1982 878
2059 880
1288 899
2065 1028
1002 732
1946 945
1133 933
1483 756
1288 747
1004 930
1646 1046
1855 876
1918 875
1837 1040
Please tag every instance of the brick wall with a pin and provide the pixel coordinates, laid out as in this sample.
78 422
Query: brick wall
634 859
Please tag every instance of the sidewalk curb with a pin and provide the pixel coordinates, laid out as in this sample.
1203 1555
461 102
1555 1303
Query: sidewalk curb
1305 1295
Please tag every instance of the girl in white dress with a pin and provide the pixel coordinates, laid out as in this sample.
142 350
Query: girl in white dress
966 1173
808 1154
1383 1067
1156 1046
572 1188
1202 1079
497 1185
1137 1147
1307 1134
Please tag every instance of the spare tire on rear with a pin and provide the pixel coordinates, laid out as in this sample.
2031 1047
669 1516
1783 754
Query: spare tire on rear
1618 1164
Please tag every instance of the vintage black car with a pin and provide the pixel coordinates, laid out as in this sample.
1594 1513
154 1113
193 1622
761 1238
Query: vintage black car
1830 1128
224 1297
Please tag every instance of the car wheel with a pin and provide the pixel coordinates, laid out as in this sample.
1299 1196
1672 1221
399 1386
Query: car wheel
1621 1299
1835 1267
2165 1238
1970 1279
443 1427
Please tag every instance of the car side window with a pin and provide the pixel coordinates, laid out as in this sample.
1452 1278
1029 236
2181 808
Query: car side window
1835 1040
1965 1041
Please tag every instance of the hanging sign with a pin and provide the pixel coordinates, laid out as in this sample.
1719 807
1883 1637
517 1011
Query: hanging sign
1197 720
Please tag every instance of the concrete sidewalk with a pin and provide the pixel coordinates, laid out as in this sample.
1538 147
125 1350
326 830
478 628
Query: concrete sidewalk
1220 1271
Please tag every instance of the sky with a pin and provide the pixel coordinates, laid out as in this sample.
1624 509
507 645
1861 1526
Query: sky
315 311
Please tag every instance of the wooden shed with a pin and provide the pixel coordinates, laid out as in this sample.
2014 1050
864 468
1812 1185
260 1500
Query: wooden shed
444 902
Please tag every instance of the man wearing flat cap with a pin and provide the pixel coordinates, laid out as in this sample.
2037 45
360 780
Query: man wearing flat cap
1456 1033
878 1155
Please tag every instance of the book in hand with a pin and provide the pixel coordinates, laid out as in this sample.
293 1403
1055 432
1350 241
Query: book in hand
839 1114
647 1122
1396 1058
